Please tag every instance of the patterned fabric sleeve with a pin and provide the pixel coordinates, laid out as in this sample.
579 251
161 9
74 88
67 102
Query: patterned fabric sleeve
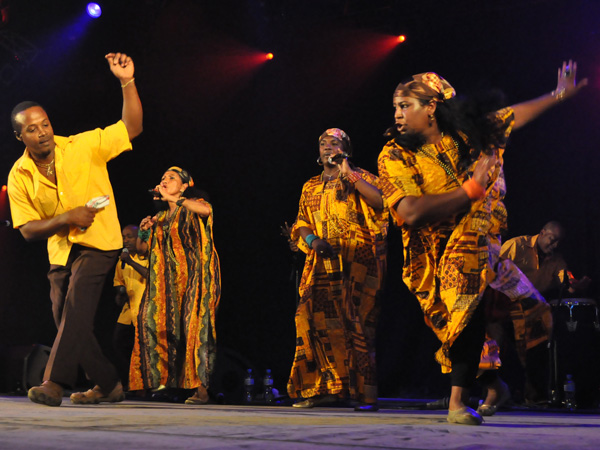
505 120
396 180
304 218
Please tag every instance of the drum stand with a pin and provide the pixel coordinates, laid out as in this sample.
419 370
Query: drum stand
554 396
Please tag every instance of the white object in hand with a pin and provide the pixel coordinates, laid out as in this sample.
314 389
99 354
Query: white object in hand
97 203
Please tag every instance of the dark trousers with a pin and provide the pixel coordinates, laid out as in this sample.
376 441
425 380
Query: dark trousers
465 352
75 290
123 339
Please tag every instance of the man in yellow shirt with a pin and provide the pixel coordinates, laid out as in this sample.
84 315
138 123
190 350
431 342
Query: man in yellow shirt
48 188
537 258
130 283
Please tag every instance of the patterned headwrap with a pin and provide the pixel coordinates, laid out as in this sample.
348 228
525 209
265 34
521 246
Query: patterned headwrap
426 86
183 174
341 136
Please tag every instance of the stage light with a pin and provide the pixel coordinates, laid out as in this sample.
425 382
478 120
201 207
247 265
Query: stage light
269 56
4 12
401 38
94 10
3 188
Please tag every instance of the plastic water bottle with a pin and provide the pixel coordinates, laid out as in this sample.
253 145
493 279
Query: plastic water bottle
569 391
268 388
248 387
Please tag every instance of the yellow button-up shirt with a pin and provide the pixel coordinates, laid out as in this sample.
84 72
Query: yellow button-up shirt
547 277
135 284
81 174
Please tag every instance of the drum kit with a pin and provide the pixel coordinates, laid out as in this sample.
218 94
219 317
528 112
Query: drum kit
575 350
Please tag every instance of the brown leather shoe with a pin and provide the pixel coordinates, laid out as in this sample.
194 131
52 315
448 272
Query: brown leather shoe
200 397
95 395
49 393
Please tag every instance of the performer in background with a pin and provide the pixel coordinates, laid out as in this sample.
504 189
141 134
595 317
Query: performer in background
538 259
129 281
341 226
49 187
441 174
175 342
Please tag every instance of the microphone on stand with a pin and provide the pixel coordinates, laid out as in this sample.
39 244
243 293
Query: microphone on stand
338 158
124 252
5 223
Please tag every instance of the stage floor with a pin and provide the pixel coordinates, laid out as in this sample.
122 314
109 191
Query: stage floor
153 425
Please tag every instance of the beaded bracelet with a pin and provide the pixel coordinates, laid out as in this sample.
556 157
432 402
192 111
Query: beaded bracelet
143 235
309 239
474 190
353 177
559 94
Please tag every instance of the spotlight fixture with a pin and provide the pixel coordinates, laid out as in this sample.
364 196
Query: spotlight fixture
401 38
94 10
269 56
4 12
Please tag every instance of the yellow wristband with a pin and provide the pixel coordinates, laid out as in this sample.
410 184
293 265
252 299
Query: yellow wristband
129 82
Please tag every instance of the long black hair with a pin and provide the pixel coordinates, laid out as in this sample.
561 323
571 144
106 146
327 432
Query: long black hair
471 118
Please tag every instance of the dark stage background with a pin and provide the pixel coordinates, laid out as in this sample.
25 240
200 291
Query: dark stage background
247 129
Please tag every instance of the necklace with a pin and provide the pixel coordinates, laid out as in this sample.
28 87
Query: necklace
171 214
440 163
48 167
330 177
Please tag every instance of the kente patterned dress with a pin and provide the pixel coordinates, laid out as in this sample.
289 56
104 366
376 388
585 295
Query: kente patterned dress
175 342
338 307
449 265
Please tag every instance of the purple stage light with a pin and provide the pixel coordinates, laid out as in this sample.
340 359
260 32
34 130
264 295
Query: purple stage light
94 10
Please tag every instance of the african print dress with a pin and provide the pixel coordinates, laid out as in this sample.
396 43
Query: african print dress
338 308
175 342
449 265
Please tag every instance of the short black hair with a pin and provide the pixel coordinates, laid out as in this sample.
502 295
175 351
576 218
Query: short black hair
19 109
555 226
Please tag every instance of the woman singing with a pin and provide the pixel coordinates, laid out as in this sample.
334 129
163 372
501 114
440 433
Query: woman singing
175 342
341 226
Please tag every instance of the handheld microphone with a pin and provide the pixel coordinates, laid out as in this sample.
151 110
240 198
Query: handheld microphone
124 252
338 158
154 192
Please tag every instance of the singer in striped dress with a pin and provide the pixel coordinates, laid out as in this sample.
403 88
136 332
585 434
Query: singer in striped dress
175 343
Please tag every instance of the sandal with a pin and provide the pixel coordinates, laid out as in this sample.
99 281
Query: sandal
465 416
490 410
316 401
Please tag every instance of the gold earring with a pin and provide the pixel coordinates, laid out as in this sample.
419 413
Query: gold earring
431 119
